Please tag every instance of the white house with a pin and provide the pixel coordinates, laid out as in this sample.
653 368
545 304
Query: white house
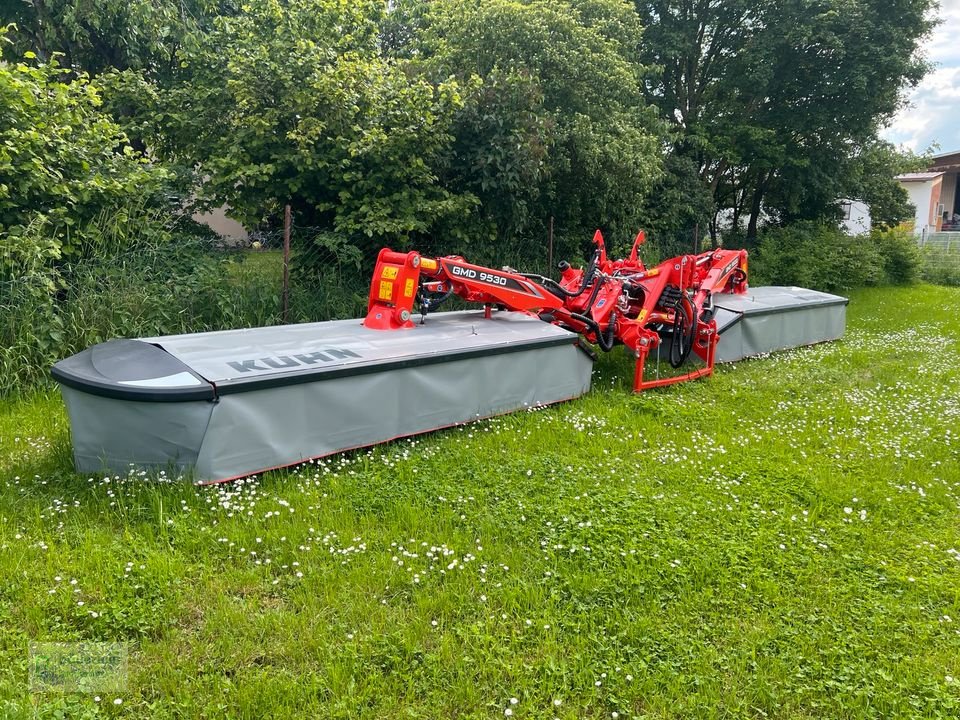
924 190
936 195
856 216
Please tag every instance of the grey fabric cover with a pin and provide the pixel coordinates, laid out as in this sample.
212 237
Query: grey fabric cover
776 318
112 435
285 425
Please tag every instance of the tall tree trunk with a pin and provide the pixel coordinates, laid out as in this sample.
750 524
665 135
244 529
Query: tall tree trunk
718 173
755 205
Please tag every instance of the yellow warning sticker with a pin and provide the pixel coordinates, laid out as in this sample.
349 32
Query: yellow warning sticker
386 290
642 315
653 273
408 288
390 272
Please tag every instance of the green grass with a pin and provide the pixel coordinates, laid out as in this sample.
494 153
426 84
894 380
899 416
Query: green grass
265 266
778 541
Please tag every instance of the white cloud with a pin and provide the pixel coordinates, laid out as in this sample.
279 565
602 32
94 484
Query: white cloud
933 112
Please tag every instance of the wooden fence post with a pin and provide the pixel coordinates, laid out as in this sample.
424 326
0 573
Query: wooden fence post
286 264
550 247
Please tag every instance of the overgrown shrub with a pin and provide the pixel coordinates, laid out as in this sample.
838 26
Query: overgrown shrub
816 256
90 247
823 257
64 163
163 278
899 254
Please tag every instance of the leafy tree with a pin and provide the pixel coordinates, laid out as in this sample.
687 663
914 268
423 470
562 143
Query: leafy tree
772 99
98 35
63 161
677 207
291 102
557 127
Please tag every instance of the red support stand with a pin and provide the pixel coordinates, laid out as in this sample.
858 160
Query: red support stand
705 347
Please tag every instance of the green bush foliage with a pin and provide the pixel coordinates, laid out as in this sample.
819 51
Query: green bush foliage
899 253
89 247
451 127
823 257
329 279
162 278
63 162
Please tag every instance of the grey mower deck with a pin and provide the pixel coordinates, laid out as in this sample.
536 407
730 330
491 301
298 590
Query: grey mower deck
767 319
226 404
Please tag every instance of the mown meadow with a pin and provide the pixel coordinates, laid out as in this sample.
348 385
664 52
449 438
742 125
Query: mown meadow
782 540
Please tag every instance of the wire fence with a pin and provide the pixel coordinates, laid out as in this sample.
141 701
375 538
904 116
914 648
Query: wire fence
328 277
940 253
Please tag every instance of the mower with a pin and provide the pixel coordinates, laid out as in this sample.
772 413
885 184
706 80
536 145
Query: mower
221 405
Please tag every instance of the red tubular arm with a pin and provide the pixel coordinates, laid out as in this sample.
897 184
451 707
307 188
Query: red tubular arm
396 280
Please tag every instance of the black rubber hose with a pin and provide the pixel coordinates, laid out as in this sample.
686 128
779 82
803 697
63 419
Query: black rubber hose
604 342
680 344
428 305
593 298
557 289
611 338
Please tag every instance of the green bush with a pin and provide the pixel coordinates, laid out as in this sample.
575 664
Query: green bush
90 249
163 278
823 257
816 256
63 164
899 254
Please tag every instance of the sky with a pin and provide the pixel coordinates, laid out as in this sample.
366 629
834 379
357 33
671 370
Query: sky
933 113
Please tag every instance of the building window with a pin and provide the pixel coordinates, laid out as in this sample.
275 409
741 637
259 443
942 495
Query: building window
846 206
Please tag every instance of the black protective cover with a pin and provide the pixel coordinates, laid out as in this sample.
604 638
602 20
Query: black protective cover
102 370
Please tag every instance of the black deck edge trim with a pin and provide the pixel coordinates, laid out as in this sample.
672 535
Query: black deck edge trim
233 387
201 392
114 390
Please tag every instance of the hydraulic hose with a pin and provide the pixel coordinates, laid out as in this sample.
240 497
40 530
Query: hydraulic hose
604 341
557 289
428 305
593 297
680 343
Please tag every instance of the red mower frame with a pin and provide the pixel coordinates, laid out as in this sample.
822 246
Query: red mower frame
668 307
